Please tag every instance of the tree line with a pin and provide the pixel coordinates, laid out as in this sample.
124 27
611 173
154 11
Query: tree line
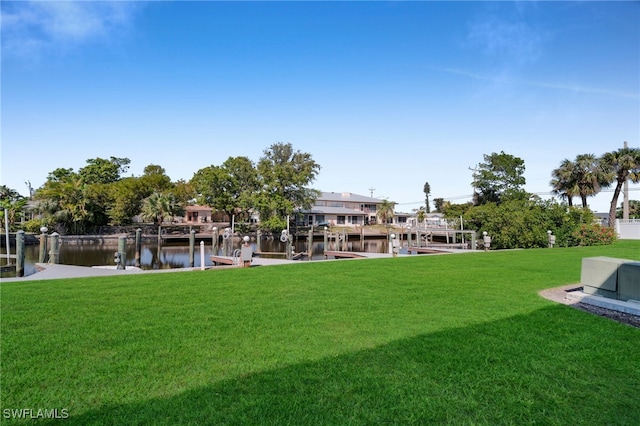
277 185
99 194
516 218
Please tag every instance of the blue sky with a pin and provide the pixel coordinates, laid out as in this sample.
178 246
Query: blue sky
384 95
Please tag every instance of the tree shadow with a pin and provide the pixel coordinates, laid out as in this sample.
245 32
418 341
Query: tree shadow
555 365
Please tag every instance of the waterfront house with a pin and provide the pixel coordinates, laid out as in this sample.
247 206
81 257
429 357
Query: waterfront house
342 209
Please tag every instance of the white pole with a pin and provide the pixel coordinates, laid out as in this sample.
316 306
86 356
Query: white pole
6 235
202 255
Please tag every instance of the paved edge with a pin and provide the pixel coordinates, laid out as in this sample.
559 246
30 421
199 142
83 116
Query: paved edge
572 294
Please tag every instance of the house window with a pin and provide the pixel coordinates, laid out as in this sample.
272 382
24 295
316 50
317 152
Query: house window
355 220
320 218
341 220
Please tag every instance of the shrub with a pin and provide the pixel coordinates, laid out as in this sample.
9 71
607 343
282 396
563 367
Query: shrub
594 235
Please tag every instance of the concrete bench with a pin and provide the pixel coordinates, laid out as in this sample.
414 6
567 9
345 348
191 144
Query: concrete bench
611 277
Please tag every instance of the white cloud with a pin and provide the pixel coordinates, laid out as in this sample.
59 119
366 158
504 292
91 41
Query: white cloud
30 27
505 79
512 42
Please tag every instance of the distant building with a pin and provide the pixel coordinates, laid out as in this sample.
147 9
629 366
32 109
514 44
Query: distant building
340 208
197 214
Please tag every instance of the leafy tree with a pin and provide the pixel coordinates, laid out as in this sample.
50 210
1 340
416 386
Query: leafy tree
438 203
427 192
623 165
522 223
229 188
634 210
284 174
154 179
60 175
499 178
99 170
124 199
182 192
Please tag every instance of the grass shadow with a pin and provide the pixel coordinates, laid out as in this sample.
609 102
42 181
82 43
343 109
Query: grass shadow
555 365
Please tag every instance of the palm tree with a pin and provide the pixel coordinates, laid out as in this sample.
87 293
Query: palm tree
13 202
158 208
623 165
564 181
420 216
590 176
384 211
584 176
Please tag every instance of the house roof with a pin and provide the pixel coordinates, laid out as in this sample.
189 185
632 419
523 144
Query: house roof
334 210
197 208
349 197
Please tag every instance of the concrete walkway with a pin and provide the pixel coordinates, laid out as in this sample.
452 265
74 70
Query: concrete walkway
57 271
628 307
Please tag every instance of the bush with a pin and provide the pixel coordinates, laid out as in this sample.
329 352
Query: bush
524 224
594 235
34 225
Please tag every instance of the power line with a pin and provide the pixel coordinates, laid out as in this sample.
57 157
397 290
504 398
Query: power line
461 197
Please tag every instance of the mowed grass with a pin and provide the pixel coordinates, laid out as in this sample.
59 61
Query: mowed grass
456 339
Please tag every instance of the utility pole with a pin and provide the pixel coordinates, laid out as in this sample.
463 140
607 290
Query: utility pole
474 170
371 190
625 202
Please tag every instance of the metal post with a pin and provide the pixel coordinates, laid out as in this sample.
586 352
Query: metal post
54 250
192 246
42 255
20 253
138 247
122 249
202 255
625 194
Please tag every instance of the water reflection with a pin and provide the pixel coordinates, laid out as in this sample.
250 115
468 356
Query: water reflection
176 255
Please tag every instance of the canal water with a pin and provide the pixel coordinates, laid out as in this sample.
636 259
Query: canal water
176 255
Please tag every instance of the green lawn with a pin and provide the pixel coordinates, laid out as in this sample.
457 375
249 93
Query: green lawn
459 339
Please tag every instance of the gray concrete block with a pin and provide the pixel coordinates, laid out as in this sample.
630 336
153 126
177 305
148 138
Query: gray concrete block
600 273
629 281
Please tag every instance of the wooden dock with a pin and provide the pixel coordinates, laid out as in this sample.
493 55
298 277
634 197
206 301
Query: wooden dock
344 254
425 250
222 260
